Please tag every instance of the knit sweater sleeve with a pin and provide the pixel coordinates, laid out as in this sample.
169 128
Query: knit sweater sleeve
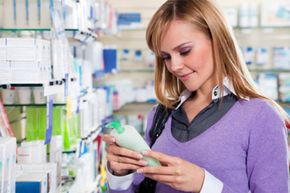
137 178
267 162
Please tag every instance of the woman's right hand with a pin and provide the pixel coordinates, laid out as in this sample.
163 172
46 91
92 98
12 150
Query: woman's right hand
121 160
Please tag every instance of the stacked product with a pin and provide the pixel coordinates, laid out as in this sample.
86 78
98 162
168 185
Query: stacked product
25 60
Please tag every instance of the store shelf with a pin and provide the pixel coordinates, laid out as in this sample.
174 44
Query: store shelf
134 108
31 105
50 87
32 29
132 70
262 27
269 70
30 84
9 85
132 28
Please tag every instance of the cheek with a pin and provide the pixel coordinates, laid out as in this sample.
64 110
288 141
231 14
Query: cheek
202 60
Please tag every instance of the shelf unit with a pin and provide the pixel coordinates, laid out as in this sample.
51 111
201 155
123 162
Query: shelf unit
80 96
140 70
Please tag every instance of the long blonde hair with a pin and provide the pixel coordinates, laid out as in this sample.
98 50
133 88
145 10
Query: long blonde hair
205 16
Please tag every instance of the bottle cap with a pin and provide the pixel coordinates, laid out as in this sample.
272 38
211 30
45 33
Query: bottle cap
116 125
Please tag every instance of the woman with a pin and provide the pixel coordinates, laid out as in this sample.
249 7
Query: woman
222 134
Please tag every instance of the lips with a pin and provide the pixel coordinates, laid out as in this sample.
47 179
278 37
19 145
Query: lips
185 76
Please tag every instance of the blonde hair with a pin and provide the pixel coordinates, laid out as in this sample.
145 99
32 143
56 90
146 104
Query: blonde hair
205 16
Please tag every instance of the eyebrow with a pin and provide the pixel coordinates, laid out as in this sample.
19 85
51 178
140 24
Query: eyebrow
177 47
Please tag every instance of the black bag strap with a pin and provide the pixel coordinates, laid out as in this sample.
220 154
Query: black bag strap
160 117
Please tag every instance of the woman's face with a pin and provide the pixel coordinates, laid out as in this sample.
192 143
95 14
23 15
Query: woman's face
187 54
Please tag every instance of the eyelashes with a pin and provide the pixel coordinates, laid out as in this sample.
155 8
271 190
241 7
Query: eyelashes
182 52
165 57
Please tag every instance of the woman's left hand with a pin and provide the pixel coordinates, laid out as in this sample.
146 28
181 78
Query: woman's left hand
175 172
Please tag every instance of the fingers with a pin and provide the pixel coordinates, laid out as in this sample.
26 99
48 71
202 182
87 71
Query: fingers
116 150
108 139
116 166
160 170
165 179
113 148
165 159
126 160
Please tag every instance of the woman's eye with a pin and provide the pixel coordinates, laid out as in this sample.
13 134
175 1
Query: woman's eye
165 57
184 52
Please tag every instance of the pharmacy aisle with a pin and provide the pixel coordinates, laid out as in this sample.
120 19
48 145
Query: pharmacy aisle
54 104
69 67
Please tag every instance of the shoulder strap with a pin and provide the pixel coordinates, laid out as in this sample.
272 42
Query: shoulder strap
161 115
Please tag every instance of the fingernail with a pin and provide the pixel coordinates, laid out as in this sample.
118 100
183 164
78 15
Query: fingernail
139 156
139 171
145 152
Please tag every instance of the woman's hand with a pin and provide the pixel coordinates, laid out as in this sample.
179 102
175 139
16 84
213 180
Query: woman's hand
175 172
122 160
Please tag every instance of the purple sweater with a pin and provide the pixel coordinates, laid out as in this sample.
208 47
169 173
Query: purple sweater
246 149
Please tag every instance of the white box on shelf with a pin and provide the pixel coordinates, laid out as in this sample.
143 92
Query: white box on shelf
49 168
36 182
275 14
231 14
281 57
2 42
32 152
20 42
244 14
55 155
7 164
71 19
85 118
28 66
21 53
57 60
4 65
262 58
5 76
21 49
24 76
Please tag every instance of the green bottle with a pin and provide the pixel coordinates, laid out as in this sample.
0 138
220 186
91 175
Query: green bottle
128 137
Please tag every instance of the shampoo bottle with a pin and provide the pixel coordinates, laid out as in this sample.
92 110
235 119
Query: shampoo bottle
128 137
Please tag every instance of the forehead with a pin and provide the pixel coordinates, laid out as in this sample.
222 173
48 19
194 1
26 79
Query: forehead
178 32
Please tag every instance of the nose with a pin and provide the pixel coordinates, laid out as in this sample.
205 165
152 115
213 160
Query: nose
176 63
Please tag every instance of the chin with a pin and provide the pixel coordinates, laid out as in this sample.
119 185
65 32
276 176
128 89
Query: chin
191 87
